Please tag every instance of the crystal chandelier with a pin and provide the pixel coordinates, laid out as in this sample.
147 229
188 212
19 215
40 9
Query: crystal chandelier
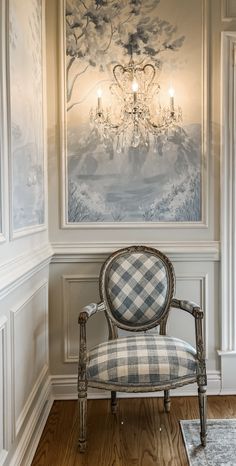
137 120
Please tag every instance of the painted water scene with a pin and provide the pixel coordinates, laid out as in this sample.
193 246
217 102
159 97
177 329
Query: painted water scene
133 111
27 147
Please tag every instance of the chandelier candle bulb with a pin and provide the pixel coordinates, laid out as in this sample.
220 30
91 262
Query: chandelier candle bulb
172 103
134 87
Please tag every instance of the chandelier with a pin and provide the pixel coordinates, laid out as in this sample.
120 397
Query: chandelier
136 119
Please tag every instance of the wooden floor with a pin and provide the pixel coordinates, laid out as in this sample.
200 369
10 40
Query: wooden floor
141 434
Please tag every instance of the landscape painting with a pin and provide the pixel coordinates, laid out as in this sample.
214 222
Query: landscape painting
26 113
160 178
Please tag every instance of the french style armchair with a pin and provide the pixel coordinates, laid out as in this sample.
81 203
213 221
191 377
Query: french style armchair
136 289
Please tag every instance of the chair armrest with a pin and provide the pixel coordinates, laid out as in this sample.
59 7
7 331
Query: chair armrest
89 310
188 306
198 314
84 315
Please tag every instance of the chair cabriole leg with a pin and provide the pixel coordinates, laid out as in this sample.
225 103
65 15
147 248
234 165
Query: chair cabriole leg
202 399
82 396
113 403
167 401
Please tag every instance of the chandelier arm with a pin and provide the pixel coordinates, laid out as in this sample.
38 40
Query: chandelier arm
149 65
155 126
114 74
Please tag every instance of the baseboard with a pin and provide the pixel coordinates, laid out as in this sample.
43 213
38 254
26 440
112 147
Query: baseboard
34 441
30 437
228 365
30 401
64 387
228 392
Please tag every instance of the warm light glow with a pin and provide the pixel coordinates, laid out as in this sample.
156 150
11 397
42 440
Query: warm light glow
132 119
134 86
171 92
99 93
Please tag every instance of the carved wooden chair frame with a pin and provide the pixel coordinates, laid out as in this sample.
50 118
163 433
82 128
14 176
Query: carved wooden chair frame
113 324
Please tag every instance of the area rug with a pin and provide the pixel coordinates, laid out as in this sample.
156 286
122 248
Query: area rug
221 442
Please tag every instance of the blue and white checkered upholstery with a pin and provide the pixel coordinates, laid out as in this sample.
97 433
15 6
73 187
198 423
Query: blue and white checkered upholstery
143 359
137 287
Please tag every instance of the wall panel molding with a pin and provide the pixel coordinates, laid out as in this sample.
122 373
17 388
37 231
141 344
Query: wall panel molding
4 390
228 211
3 131
228 190
29 440
42 288
67 280
30 401
203 303
96 252
41 226
228 10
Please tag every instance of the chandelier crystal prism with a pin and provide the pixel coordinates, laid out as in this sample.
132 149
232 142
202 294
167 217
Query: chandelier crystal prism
136 120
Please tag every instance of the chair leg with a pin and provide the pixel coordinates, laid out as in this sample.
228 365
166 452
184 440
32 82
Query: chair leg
113 403
202 399
82 395
167 401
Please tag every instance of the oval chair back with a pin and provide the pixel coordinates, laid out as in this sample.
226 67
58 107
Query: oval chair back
137 285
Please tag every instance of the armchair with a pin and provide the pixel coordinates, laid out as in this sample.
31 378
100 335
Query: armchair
136 289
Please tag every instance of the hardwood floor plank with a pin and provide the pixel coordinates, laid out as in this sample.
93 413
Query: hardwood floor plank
140 434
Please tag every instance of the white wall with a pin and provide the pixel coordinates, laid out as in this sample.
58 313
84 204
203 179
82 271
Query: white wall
24 276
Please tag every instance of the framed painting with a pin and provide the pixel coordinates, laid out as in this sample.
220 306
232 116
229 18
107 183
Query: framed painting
124 164
26 116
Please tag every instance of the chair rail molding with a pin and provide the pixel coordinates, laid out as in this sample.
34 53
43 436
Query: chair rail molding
16 271
178 251
228 211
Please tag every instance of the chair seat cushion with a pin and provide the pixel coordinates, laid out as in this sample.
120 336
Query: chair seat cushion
141 359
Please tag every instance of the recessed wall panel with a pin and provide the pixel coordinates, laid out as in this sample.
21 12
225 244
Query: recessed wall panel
79 291
29 347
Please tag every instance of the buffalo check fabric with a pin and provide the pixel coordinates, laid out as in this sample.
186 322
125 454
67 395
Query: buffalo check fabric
144 359
137 288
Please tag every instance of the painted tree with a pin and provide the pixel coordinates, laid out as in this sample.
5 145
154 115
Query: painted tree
99 33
